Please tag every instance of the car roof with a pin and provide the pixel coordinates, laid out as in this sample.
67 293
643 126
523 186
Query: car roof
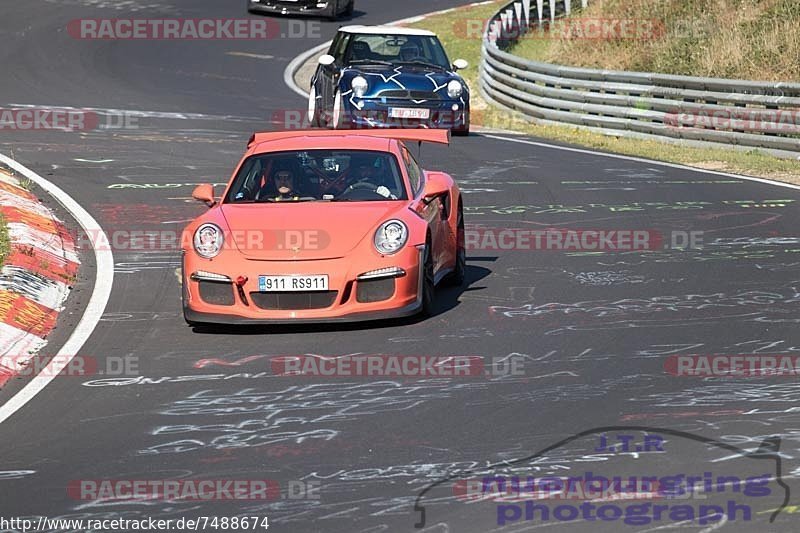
392 30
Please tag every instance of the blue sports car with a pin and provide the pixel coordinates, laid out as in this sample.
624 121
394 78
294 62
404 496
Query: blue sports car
388 77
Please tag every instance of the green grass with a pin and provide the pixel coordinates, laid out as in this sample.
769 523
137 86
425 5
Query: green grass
450 28
745 39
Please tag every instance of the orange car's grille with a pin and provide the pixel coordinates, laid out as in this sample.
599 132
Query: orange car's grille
375 290
293 300
216 292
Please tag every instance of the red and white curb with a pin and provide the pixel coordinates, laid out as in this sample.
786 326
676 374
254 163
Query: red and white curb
36 278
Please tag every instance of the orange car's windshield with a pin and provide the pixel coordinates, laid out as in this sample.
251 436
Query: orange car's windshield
318 176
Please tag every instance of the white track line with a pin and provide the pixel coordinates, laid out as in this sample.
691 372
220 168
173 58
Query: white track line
97 303
288 73
644 160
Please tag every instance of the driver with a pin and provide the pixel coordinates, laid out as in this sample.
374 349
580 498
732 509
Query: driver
283 183
409 52
363 173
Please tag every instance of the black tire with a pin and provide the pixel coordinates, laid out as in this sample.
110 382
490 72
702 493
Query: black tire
333 11
463 130
428 286
459 274
313 119
336 121
348 12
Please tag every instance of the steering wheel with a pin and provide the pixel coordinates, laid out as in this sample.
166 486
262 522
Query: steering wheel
363 184
359 189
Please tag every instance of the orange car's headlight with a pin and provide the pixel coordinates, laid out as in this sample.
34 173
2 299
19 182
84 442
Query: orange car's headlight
391 236
208 241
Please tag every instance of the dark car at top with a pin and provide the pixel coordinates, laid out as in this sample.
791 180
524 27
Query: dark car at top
387 76
331 9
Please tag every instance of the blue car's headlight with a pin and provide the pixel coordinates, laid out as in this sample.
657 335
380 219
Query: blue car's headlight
359 85
454 89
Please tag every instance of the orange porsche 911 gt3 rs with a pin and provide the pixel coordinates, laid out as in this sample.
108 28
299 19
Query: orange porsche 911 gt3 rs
320 226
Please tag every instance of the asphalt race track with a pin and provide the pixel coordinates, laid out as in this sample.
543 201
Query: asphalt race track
589 334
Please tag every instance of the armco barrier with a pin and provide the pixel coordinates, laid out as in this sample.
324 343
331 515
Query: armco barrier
733 112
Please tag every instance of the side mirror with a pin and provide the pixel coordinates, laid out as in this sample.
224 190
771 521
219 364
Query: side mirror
436 184
460 64
205 194
326 59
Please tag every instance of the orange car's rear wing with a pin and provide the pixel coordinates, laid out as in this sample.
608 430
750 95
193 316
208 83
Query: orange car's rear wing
440 136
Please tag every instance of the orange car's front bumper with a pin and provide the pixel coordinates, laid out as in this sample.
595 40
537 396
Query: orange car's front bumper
348 299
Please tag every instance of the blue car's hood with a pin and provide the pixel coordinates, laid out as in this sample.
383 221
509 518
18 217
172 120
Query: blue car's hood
418 80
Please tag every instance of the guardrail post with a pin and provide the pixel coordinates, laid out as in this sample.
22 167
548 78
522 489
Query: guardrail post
540 10
526 8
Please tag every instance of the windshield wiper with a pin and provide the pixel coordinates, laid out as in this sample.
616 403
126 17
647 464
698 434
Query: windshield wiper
287 200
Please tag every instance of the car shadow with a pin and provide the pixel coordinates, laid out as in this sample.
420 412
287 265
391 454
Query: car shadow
447 298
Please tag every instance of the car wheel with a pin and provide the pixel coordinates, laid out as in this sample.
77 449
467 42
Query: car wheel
348 12
463 130
459 274
428 286
336 119
333 11
313 112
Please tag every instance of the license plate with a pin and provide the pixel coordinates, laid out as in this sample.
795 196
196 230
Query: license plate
293 283
409 112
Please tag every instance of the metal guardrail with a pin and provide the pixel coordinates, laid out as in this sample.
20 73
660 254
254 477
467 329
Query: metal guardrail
734 112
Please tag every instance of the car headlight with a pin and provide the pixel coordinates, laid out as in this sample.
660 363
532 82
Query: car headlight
391 237
454 89
359 86
208 240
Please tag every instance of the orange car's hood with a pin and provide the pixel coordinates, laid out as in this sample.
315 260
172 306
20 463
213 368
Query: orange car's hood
306 230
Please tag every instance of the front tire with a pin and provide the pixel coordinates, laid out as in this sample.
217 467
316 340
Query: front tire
463 130
459 274
333 11
348 12
428 285
337 122
313 109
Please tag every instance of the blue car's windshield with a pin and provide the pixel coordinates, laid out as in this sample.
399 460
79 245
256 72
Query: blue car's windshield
397 49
